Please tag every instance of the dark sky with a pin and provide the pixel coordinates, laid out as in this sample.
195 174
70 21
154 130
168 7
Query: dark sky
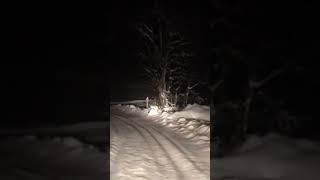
265 31
125 42
54 66
59 58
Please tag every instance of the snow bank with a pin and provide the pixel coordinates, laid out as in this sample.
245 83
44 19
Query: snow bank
55 153
271 157
130 109
154 111
193 122
32 158
194 111
72 142
129 102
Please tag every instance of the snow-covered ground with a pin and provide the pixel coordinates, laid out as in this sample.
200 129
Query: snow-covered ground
72 152
272 157
144 145
147 144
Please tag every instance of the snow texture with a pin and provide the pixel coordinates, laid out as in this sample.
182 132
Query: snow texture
50 158
194 111
150 146
55 153
271 157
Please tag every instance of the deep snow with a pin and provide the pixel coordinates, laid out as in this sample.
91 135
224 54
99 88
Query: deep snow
63 153
272 157
149 144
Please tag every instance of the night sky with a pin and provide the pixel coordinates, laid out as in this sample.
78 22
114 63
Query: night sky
60 60
125 41
54 65
265 31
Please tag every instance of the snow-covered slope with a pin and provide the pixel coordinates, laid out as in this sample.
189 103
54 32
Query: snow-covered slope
272 157
69 152
194 111
192 123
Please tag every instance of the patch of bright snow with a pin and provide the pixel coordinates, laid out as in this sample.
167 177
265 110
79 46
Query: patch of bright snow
154 110
194 111
147 147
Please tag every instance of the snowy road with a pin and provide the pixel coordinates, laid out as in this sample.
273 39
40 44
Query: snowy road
143 149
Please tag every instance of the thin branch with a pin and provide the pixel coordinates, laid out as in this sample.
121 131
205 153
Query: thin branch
272 75
192 86
145 34
216 85
149 29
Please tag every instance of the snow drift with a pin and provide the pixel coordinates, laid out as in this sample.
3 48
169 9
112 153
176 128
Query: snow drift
32 158
271 157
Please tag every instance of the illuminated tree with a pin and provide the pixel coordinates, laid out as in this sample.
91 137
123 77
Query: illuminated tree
167 56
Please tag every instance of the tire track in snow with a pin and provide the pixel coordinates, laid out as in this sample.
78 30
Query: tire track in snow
132 161
166 155
115 141
170 148
116 144
177 146
183 151
173 141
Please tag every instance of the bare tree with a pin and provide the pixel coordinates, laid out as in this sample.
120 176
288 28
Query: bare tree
167 55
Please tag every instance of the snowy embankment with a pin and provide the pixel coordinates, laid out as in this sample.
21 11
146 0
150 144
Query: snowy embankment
69 152
193 122
148 144
271 157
